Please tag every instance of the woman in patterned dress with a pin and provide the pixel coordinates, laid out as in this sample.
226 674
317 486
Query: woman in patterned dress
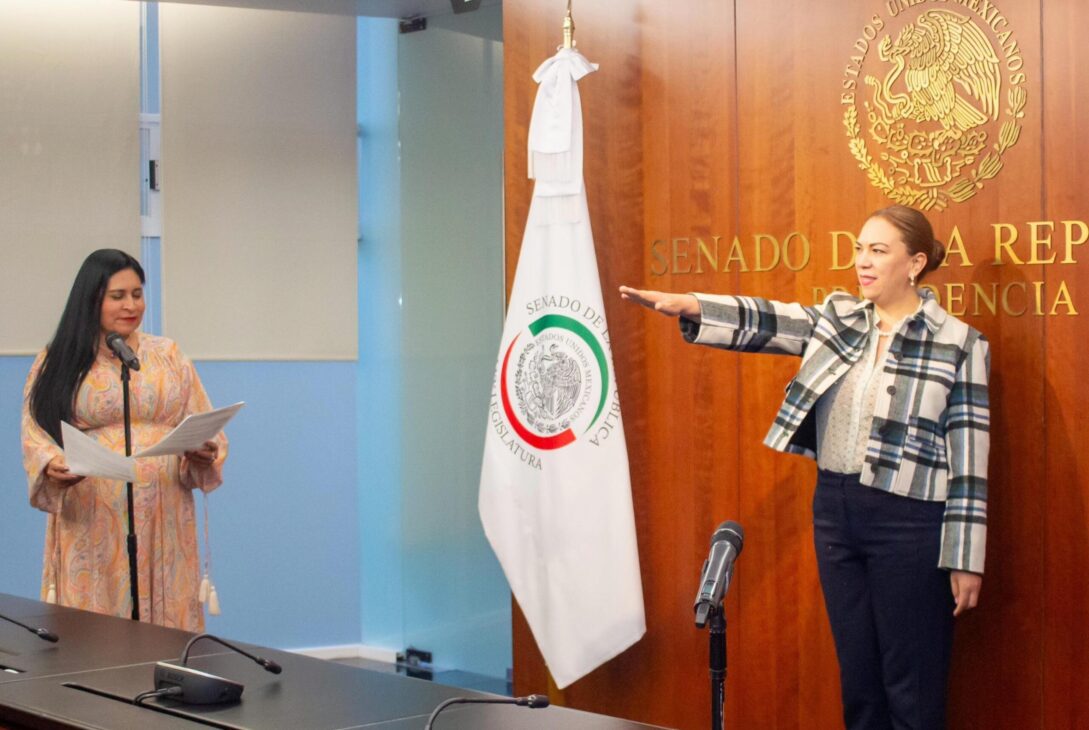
77 379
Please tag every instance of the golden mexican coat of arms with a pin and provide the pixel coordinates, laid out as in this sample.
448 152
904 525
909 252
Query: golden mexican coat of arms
931 104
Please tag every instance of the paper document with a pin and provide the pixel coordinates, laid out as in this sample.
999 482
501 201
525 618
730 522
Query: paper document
88 458
190 434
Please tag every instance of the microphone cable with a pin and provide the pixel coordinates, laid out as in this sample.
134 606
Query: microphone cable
164 692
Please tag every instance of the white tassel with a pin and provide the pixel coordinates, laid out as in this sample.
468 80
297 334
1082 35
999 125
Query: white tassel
202 595
51 594
213 601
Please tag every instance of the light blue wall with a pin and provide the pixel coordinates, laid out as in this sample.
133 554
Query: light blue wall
22 528
285 524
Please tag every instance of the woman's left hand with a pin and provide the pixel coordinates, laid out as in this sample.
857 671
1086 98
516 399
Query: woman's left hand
205 456
966 587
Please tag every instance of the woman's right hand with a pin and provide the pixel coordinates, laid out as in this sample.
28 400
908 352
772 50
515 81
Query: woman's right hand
673 305
57 471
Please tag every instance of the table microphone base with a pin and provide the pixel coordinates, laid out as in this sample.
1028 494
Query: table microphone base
197 687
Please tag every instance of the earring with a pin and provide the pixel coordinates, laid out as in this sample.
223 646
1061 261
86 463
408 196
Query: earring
911 278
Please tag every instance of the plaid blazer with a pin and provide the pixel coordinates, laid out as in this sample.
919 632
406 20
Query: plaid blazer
931 427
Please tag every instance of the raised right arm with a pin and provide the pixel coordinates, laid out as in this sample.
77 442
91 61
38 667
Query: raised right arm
742 324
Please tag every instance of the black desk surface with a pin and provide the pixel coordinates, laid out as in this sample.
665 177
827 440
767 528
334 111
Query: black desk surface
19 608
87 640
87 679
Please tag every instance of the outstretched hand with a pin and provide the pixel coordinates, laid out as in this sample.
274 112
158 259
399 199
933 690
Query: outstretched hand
667 303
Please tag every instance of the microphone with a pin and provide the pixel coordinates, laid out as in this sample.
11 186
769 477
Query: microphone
121 348
268 664
194 687
726 545
531 701
43 634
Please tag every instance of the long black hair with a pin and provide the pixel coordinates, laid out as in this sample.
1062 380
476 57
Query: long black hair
72 352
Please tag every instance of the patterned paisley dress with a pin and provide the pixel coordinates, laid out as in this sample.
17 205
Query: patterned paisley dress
86 557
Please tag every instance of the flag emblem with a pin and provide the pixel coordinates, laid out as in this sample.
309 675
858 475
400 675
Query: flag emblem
554 382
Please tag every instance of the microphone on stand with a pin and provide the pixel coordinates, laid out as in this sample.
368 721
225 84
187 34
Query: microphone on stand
194 687
726 545
129 361
43 634
121 348
531 701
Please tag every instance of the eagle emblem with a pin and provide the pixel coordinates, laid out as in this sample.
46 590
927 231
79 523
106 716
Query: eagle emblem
550 381
932 114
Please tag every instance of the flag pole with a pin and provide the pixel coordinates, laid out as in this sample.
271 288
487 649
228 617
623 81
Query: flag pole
568 29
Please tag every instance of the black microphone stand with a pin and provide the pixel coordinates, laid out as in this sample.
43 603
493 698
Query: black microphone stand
134 585
39 632
717 636
531 701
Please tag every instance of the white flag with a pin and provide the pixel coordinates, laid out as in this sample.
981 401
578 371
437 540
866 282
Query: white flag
555 493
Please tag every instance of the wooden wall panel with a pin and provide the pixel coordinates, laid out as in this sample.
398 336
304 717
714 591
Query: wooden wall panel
715 118
1064 556
777 578
1008 668
687 92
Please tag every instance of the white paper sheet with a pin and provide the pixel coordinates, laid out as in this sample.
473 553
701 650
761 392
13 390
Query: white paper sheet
190 434
86 457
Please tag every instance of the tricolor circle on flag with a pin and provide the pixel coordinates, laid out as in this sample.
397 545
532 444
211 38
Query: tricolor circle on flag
554 381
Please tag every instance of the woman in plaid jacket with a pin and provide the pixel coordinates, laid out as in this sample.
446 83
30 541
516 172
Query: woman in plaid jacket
891 400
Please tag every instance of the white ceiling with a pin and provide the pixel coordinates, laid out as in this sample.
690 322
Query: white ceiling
375 8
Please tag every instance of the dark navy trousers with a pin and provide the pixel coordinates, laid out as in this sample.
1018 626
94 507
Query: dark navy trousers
890 606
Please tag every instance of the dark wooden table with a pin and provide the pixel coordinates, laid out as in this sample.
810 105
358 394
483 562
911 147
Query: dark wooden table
88 678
